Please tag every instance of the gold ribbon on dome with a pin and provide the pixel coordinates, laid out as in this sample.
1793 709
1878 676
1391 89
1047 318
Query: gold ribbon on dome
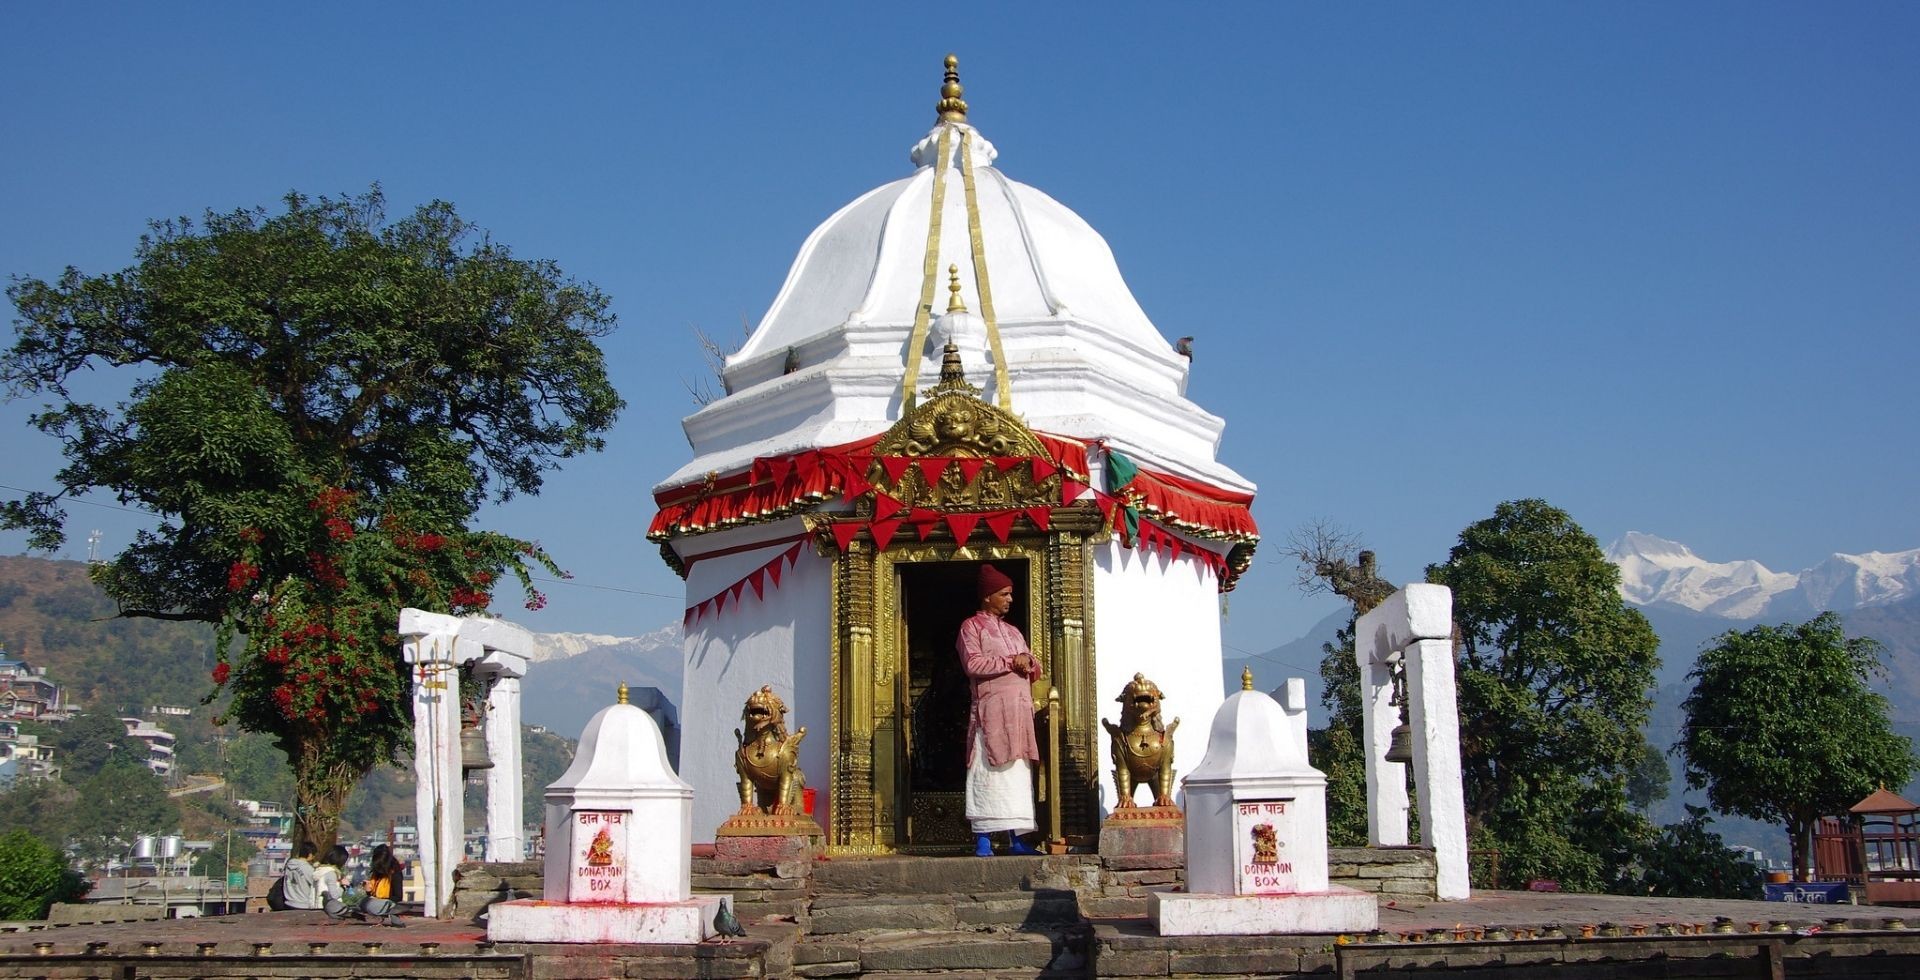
930 272
1001 385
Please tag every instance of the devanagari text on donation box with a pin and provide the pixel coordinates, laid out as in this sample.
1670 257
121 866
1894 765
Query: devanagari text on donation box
1262 830
600 861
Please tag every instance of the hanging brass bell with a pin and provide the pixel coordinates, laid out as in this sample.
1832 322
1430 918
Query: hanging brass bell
1400 744
473 749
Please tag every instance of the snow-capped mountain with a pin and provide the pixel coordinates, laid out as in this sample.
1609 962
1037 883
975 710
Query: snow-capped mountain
560 646
1655 570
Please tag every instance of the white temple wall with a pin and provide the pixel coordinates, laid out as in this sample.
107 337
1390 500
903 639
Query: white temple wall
1158 617
779 639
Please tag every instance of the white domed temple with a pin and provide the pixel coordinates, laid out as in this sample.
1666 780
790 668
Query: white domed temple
953 373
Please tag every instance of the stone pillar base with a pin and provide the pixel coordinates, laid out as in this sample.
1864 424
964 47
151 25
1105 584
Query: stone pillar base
677 923
1143 838
1338 909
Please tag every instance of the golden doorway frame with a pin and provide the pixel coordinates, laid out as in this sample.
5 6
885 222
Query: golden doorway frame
868 803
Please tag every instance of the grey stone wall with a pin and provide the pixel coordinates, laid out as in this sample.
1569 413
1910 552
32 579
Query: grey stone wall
1408 871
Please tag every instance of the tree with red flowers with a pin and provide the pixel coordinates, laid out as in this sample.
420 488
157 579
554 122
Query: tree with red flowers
321 402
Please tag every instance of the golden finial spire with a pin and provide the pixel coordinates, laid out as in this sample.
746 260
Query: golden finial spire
623 692
1246 678
954 305
952 107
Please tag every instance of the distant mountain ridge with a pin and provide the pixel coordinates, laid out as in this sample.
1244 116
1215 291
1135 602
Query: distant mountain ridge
1654 570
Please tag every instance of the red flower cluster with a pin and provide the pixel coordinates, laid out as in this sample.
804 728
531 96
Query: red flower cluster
325 571
339 529
470 598
332 501
221 672
242 574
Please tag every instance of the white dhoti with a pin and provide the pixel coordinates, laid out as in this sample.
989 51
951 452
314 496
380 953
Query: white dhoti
999 797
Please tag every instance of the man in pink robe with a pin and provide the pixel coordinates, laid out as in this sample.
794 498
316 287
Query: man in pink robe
1001 747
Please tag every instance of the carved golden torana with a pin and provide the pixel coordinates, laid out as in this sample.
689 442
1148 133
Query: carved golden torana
874 809
767 761
1142 747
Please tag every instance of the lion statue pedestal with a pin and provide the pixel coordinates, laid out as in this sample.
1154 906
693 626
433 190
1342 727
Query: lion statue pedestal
1134 837
772 787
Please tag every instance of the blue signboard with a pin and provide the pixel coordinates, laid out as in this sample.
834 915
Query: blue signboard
1808 892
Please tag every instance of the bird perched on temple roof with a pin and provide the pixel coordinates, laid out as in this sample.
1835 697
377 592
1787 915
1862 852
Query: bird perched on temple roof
1184 347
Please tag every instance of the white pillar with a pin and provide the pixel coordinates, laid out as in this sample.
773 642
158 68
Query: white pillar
506 833
1435 718
508 648
1415 626
430 649
1386 781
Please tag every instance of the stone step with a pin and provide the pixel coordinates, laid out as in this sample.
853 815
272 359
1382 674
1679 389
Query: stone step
842 913
948 875
1050 953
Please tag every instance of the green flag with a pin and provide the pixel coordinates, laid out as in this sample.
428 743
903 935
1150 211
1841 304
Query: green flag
1120 473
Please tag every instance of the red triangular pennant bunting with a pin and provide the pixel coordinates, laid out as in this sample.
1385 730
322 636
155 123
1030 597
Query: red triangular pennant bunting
896 466
885 506
773 571
970 468
962 526
932 467
1005 463
758 471
778 468
844 533
857 487
738 587
1071 491
926 529
1043 469
1000 522
807 464
883 533
859 464
758 582
1040 516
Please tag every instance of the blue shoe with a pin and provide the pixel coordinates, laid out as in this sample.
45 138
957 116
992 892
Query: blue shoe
1019 846
982 846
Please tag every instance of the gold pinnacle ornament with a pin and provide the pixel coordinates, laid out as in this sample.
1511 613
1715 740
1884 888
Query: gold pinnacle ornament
1246 678
623 693
952 108
954 303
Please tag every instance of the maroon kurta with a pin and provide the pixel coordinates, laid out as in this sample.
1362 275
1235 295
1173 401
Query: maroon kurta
1002 710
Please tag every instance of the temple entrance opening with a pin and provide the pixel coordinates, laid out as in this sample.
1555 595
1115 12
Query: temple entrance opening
936 597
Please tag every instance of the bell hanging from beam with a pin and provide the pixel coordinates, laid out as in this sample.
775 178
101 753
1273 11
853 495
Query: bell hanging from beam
1400 744
473 749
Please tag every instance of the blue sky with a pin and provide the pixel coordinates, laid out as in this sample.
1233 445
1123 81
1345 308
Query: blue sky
1657 263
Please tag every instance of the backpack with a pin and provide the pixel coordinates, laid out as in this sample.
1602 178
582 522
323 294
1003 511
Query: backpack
277 895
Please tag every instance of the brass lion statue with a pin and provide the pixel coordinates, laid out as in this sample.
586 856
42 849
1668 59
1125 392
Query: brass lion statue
768 759
1142 746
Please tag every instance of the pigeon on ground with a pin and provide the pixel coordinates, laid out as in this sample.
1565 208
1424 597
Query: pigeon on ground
725 924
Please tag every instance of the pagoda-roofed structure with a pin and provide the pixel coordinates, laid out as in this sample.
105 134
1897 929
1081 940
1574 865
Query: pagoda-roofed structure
1877 849
954 372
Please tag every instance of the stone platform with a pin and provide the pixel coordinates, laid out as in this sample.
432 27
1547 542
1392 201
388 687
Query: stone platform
956 918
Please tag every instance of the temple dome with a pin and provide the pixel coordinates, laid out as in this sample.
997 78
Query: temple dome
825 366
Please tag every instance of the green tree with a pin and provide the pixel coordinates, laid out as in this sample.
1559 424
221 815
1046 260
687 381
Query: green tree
1651 779
33 876
84 744
1783 726
42 807
1554 673
121 802
216 861
1688 860
321 400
